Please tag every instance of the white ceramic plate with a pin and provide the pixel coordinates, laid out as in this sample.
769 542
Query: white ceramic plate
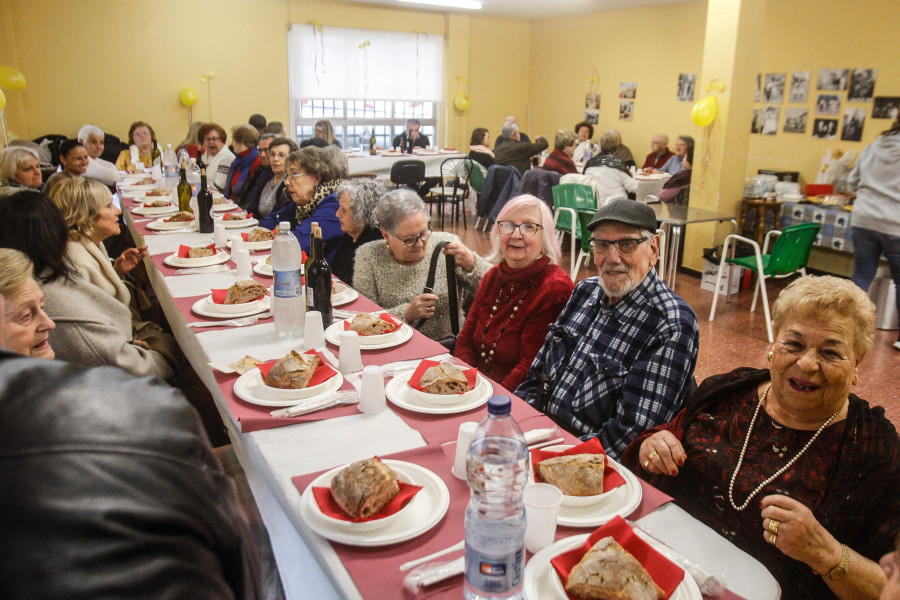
399 393
342 294
263 268
163 225
543 583
240 224
367 342
144 187
250 387
446 399
232 309
422 513
577 500
173 260
207 308
155 211
224 207
620 501
254 246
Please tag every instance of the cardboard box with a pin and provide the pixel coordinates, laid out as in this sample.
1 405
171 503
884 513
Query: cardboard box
711 270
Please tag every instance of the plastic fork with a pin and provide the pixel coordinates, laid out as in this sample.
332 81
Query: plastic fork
242 322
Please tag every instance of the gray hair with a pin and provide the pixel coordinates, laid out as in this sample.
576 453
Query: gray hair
413 122
339 158
610 140
564 138
364 197
688 141
89 131
268 136
396 206
509 129
15 270
13 158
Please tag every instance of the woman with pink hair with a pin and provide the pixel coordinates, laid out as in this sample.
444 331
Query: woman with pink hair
519 297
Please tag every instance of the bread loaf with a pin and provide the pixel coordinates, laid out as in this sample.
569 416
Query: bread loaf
158 192
244 291
574 474
236 217
220 200
364 487
260 235
182 216
445 378
159 203
609 572
368 324
292 372
201 252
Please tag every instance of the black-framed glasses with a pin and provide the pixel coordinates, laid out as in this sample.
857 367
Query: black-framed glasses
626 246
210 140
410 242
526 229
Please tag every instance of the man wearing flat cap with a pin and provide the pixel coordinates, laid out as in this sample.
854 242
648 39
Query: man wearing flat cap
620 358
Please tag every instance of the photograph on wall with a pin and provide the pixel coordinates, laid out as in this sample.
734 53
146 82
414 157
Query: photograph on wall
774 88
886 107
592 101
799 86
626 110
833 79
825 129
770 120
592 116
686 83
829 105
627 89
756 124
862 85
853 124
795 120
758 87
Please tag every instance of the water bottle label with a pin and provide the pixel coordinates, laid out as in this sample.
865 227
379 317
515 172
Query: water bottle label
171 171
287 284
493 574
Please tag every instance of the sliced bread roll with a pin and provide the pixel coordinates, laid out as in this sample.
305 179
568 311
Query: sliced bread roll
575 474
260 235
445 378
182 216
368 324
609 572
292 372
364 487
201 252
244 291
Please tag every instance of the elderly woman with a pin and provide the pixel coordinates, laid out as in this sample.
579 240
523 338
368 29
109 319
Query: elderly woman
622 151
24 326
140 147
560 160
92 137
191 143
244 139
677 189
311 178
526 283
393 272
324 130
216 154
92 327
676 162
20 169
785 462
273 196
583 144
480 147
73 162
357 200
609 173
339 159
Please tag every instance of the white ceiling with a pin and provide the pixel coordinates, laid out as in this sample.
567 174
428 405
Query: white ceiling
531 9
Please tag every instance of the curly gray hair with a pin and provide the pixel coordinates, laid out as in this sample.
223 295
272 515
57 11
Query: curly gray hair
364 197
397 205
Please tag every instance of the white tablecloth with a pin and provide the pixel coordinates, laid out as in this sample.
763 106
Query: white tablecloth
381 165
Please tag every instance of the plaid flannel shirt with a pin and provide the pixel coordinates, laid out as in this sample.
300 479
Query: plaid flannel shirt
614 371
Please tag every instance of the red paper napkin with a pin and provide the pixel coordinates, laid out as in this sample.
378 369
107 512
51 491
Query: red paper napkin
170 220
611 477
471 375
329 506
385 317
219 296
664 572
246 234
323 371
242 215
184 251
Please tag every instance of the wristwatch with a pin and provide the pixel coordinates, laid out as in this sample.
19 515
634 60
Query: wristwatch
840 570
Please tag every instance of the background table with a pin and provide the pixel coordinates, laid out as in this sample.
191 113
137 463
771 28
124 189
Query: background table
674 217
381 165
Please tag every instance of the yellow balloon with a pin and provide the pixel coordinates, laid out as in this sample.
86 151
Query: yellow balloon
705 111
11 78
2 100
189 96
461 101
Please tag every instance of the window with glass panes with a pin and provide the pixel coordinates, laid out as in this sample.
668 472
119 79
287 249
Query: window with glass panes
351 118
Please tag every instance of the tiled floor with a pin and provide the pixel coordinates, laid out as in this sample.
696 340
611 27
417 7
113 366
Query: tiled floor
738 337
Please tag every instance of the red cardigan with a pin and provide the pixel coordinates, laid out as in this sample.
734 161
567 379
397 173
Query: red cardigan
524 334
560 162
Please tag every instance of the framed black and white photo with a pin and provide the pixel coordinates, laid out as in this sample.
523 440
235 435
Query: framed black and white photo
758 88
886 107
686 83
627 89
853 124
795 120
833 79
828 105
862 85
773 92
825 129
626 110
770 120
756 124
799 87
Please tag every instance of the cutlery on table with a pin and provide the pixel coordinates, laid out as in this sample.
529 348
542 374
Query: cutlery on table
419 561
314 404
242 322
547 443
431 574
199 270
535 436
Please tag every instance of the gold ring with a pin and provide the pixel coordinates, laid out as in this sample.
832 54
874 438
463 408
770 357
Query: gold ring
653 454
774 524
772 538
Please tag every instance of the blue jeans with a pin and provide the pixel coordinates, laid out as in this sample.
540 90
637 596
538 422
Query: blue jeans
868 246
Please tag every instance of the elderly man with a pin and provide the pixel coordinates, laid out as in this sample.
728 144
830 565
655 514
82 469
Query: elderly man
620 357
660 152
92 138
676 162
411 136
501 138
515 151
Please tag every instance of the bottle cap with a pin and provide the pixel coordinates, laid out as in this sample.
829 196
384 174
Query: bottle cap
284 226
499 405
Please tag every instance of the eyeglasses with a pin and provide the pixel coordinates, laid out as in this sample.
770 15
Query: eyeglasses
526 229
292 176
410 242
281 155
626 246
209 140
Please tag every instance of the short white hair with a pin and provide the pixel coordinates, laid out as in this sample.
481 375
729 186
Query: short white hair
89 131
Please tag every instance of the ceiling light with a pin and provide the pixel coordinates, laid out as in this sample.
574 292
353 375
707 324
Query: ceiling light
466 4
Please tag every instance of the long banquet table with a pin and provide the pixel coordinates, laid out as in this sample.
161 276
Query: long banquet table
381 163
281 456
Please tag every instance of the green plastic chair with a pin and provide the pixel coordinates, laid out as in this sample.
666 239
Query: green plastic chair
476 175
789 255
574 203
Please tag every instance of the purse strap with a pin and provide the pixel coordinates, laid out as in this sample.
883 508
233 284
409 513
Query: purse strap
451 286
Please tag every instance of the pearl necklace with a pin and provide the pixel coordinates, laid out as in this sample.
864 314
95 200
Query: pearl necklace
779 471
488 355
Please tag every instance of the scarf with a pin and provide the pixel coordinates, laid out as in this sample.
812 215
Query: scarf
481 149
241 167
326 188
607 159
137 157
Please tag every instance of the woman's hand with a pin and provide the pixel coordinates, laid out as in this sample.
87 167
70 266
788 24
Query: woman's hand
141 344
129 259
800 535
464 257
662 454
421 307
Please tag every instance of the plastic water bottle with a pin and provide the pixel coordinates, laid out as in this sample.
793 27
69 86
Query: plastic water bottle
586 155
288 301
170 163
497 471
364 141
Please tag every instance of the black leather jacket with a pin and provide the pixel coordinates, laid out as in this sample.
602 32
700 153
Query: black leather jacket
109 489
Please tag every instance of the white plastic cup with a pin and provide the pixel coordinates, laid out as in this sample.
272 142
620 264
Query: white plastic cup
371 390
156 172
350 359
542 502
313 332
467 430
243 266
219 238
237 242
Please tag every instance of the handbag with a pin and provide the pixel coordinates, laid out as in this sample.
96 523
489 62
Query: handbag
448 342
